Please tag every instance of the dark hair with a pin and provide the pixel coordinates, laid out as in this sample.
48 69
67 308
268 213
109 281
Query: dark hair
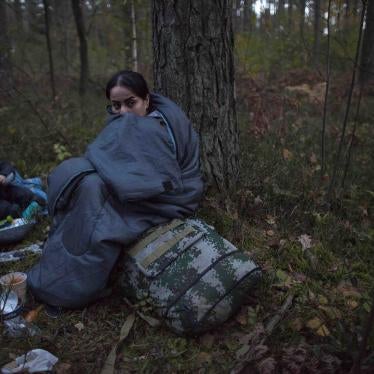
129 79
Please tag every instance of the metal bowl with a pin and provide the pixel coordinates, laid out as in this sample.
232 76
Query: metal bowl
16 231
9 305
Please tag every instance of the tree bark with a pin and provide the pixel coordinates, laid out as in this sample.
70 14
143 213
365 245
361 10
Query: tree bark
18 14
5 65
290 15
63 19
79 22
302 17
134 40
367 55
193 65
247 16
317 32
49 48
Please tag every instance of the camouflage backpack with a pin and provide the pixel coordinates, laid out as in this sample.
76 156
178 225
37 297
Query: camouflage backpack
194 278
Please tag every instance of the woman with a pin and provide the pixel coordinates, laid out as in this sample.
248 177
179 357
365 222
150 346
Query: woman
142 170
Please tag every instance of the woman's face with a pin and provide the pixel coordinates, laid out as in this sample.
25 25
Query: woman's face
125 101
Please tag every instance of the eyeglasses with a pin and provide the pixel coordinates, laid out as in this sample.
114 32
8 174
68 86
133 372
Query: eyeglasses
111 110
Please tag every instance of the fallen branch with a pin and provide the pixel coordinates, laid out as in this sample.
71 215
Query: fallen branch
277 317
256 345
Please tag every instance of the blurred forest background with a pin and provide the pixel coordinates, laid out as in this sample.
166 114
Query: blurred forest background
303 208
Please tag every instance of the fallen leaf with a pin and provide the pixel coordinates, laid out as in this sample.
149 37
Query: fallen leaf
331 312
287 155
274 243
296 324
314 323
242 351
267 365
313 158
242 317
348 290
367 307
305 241
252 316
258 201
62 368
318 327
153 322
244 338
203 358
231 344
270 220
323 331
281 275
322 300
270 233
110 361
33 314
207 340
353 304
79 326
299 277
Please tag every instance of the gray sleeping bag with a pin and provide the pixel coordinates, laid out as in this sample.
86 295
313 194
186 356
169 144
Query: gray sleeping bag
132 177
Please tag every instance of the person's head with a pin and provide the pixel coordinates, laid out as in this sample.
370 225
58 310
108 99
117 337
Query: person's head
128 92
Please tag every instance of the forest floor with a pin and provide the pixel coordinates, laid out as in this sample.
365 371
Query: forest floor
310 309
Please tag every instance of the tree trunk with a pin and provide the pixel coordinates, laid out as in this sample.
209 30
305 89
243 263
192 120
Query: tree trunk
247 16
302 17
355 7
317 31
5 65
49 48
134 40
193 65
290 15
79 22
367 55
63 19
18 14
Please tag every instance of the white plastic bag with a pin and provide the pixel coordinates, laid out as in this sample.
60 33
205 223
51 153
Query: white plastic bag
33 361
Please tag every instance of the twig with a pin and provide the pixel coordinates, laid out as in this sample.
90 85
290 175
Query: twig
41 119
337 159
348 160
277 318
267 332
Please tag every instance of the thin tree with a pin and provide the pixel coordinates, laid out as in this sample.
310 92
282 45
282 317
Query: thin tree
302 4
345 122
5 65
367 56
63 19
247 15
323 133
317 32
355 123
349 152
83 51
18 14
290 14
134 40
193 65
49 47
